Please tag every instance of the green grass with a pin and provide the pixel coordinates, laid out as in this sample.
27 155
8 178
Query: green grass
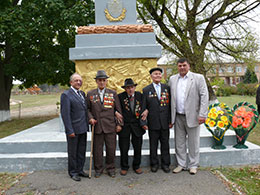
16 125
29 101
254 135
247 178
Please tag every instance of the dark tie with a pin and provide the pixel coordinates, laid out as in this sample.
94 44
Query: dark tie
131 98
81 97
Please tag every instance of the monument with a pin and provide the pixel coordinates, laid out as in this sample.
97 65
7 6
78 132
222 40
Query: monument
116 44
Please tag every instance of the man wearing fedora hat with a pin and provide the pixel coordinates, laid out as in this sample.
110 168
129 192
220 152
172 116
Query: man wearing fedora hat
131 102
103 104
156 99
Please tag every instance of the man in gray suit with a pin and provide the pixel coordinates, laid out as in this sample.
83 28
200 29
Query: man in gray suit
189 107
74 116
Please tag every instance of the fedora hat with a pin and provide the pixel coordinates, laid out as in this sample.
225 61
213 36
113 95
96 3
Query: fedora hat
129 82
101 74
154 69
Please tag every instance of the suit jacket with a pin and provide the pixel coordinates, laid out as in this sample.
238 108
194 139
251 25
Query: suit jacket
131 117
103 113
258 96
74 112
196 98
159 111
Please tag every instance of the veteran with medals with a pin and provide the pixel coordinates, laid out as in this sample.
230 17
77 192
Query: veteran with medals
156 99
103 107
131 102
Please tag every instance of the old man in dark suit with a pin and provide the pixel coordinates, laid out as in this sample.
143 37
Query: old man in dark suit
156 98
104 105
131 102
75 119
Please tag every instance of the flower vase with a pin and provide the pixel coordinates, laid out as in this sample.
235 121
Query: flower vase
241 135
218 143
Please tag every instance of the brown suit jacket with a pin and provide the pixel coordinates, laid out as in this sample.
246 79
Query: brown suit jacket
104 113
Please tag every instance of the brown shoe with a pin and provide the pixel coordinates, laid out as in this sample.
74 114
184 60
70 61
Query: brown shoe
123 172
138 171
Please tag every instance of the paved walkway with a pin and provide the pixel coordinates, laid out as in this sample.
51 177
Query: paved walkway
58 182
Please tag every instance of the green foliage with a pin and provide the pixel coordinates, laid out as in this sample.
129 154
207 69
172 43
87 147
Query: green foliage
36 37
250 76
246 89
224 91
217 81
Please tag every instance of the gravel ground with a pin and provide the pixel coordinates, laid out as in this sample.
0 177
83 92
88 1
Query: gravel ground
160 183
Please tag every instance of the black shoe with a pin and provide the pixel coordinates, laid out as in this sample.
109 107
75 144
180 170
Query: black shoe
97 175
83 174
112 174
166 169
75 178
154 169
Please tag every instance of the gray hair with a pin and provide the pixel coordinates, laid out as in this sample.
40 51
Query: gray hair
73 75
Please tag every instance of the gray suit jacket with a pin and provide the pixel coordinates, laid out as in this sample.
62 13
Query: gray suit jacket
196 98
74 112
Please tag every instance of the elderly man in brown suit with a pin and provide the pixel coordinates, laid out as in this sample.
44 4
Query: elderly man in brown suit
103 106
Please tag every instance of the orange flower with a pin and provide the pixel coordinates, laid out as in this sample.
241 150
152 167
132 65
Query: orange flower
239 121
247 119
250 114
234 124
245 124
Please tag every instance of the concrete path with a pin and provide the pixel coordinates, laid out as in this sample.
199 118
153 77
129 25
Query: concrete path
58 182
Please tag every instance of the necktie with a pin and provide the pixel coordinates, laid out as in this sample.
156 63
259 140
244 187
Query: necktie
131 98
101 97
81 97
158 91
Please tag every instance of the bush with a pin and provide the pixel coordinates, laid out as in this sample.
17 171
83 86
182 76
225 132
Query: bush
233 90
224 91
246 89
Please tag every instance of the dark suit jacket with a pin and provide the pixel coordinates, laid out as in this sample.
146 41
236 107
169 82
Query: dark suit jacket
74 112
131 118
103 113
159 111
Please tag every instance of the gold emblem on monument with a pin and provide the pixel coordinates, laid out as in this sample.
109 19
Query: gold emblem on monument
115 11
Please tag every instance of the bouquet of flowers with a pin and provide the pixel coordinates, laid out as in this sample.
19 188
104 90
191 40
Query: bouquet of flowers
218 122
243 121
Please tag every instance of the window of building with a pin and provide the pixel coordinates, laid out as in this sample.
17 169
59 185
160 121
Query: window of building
238 69
230 69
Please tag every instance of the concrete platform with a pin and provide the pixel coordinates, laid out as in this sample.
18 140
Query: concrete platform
43 147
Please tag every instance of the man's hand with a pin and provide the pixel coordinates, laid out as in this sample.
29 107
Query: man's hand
72 135
119 117
144 114
202 120
93 121
170 126
145 127
118 128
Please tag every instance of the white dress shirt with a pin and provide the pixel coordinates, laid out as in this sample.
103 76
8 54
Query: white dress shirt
157 88
181 91
101 94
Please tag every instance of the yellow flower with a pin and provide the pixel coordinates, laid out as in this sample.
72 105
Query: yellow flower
210 115
207 121
212 110
224 118
212 123
220 112
226 122
214 115
221 124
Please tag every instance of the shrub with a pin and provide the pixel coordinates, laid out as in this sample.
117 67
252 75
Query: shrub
246 89
224 91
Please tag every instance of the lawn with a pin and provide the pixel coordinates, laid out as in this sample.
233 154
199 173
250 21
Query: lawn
29 101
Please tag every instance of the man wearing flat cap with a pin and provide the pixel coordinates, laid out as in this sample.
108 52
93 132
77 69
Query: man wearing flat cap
104 105
131 102
156 99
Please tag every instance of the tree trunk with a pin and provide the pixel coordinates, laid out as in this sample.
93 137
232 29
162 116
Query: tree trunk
5 91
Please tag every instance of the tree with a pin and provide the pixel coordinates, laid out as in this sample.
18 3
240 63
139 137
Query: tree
35 37
250 76
202 30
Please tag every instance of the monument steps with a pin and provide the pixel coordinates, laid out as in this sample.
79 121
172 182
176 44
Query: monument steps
43 147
